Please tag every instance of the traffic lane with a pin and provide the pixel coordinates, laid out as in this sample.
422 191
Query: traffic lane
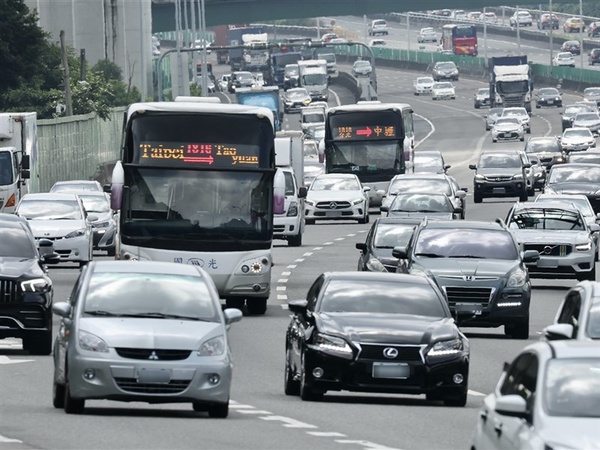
489 45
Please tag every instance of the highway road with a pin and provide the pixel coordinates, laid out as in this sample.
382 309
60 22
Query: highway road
261 416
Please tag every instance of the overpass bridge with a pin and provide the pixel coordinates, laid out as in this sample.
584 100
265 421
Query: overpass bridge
222 12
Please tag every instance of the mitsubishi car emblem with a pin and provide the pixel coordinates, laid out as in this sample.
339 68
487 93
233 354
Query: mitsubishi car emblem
153 355
390 352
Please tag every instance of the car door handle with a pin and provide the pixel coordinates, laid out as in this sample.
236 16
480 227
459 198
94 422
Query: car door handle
483 415
498 429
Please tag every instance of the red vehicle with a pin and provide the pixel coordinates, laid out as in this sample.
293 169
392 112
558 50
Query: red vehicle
459 39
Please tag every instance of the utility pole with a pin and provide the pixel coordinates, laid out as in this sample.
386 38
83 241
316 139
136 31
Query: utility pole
581 34
551 30
66 77
518 31
484 34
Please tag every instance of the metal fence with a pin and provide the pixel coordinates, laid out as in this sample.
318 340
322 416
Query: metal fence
71 148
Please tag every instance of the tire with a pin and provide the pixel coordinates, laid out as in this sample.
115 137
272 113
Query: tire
295 241
365 219
73 405
82 264
306 391
454 400
494 140
235 302
256 306
58 395
290 386
477 105
522 138
111 251
199 407
42 345
538 106
219 410
518 330
523 197
528 130
477 198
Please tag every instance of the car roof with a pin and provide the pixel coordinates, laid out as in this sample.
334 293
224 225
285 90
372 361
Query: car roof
574 165
10 219
50 196
565 206
561 196
428 152
542 138
151 267
337 175
566 349
420 176
378 276
398 220
464 224
61 183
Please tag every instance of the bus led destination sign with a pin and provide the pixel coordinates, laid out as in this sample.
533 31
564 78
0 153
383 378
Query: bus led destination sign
178 154
367 132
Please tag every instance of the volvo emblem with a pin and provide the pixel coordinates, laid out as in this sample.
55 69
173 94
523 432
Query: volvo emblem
547 250
390 352
153 355
333 205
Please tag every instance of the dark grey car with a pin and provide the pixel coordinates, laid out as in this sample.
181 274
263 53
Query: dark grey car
500 174
479 267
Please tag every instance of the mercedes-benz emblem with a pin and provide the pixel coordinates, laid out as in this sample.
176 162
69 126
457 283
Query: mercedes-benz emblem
333 205
390 352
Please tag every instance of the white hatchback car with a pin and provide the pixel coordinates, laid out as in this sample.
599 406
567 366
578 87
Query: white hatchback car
521 113
577 139
564 59
508 129
547 398
443 89
423 85
63 219
337 196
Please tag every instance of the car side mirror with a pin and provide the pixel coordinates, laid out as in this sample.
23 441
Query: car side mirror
399 252
527 165
366 188
384 208
472 167
531 256
594 227
92 218
302 191
558 331
298 306
232 315
464 189
50 258
361 246
485 116
446 167
460 194
62 309
511 406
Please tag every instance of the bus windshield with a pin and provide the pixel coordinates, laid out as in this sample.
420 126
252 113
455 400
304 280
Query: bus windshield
464 31
179 210
368 160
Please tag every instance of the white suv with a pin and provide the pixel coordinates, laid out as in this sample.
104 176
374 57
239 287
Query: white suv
521 113
378 26
522 19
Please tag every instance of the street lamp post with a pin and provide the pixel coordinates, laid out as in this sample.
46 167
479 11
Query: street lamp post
581 34
518 31
484 34
551 30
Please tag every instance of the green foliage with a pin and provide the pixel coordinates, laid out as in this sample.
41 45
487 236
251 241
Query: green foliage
195 90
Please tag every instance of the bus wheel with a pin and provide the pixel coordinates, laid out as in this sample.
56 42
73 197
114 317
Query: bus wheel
257 306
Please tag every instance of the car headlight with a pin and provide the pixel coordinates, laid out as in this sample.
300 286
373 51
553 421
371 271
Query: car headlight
35 285
332 345
374 265
212 347
517 279
75 233
100 224
583 247
479 177
309 202
307 101
450 347
91 342
518 176
358 201
293 209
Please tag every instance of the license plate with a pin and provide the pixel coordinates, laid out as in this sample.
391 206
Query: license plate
391 370
499 190
333 213
475 308
548 263
550 102
154 376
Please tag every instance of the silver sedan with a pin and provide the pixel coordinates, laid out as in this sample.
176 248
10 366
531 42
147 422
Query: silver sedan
337 196
143 331
507 129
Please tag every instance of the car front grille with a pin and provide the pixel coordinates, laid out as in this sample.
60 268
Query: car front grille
374 352
10 292
333 205
461 294
550 249
504 178
157 354
172 387
278 228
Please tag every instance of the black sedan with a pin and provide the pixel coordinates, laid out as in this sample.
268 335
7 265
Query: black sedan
548 97
375 332
575 178
385 234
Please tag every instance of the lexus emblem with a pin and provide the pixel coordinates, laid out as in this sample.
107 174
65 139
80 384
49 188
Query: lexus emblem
390 352
333 205
153 355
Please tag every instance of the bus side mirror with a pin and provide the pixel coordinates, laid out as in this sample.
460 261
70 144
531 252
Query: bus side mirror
279 192
321 152
116 189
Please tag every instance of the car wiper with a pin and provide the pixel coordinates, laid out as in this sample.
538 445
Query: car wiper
467 256
158 315
430 255
102 313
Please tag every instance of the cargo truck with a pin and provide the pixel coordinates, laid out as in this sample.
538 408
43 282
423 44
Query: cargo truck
265 96
510 82
18 158
234 37
221 32
256 57
278 63
313 77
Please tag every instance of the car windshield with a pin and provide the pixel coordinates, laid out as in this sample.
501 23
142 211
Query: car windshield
95 203
390 235
420 185
587 116
572 110
382 297
422 162
581 203
50 209
548 91
564 56
515 113
591 91
584 157
424 80
245 77
149 296
538 146
579 132
587 174
71 187
483 91
362 64
540 218
421 203
15 243
593 324
466 243
293 94
442 86
572 387
508 120
499 161
335 184
495 112
446 66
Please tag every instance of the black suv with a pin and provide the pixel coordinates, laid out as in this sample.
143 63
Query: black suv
25 288
500 174
240 80
479 267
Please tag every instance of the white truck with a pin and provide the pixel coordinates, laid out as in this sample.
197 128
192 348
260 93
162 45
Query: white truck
289 158
256 55
18 158
311 116
312 75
